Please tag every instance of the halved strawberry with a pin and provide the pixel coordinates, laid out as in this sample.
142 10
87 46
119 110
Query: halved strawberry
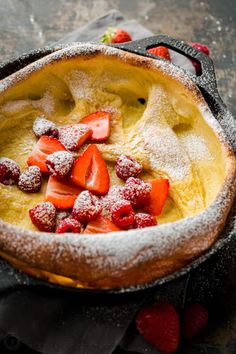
158 195
74 135
100 124
45 146
90 171
62 194
100 225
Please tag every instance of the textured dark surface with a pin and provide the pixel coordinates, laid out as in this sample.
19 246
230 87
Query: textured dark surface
28 24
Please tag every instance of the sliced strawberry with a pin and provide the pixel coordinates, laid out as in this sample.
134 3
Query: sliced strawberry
158 196
45 146
100 124
62 194
90 171
100 225
74 135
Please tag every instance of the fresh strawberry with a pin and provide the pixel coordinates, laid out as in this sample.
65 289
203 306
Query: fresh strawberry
143 220
160 52
159 325
61 193
45 146
87 207
122 214
158 195
136 191
30 180
195 319
99 122
60 163
68 225
90 171
43 216
74 135
127 167
115 35
100 225
9 171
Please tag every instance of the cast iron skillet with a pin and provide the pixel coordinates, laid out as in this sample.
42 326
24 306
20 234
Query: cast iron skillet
206 83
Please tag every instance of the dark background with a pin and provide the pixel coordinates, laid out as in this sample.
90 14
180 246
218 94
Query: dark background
28 24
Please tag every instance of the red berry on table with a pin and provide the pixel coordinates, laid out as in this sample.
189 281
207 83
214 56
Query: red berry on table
90 171
160 51
87 207
122 214
43 216
74 135
159 325
115 35
68 225
30 180
60 163
136 191
99 122
45 146
143 220
201 47
127 167
43 126
195 319
9 171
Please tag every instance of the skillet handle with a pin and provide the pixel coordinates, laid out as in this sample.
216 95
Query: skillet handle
206 81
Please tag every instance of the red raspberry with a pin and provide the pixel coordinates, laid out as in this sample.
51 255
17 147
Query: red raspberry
114 195
44 126
87 207
9 171
122 214
195 319
59 164
61 215
136 191
30 180
68 225
143 220
159 325
127 167
43 216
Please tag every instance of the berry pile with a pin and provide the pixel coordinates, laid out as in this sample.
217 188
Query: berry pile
159 324
78 195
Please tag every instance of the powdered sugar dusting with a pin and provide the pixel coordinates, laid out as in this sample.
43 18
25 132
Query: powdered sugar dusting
43 126
46 104
196 147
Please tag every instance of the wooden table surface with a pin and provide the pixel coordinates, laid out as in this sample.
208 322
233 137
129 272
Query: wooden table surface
29 24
